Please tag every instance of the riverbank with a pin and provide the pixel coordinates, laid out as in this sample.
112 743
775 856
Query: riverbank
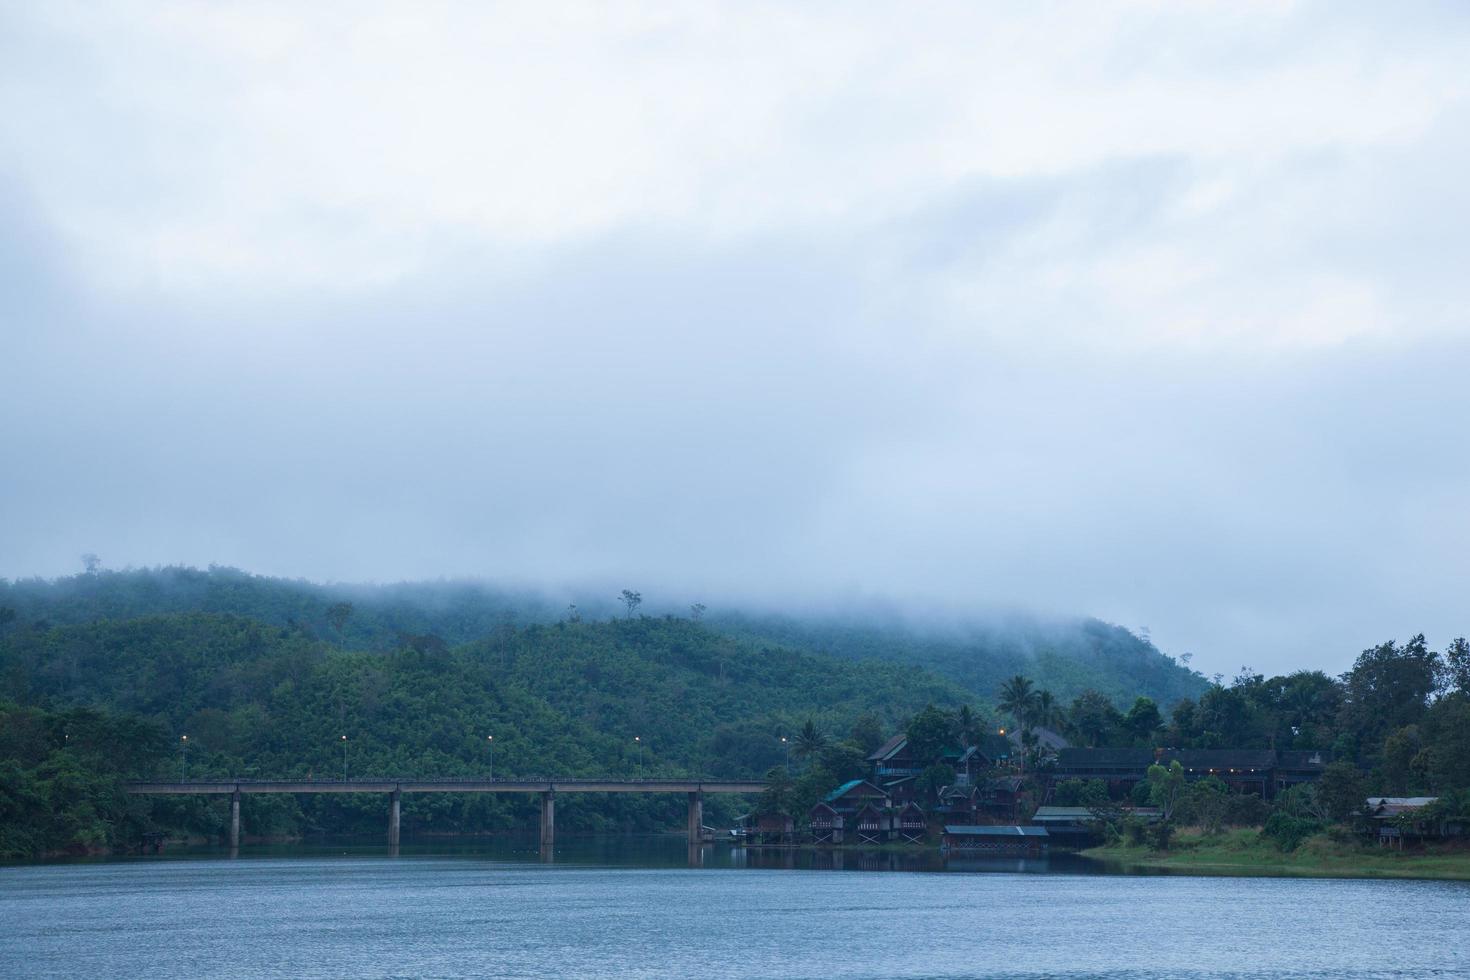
1245 852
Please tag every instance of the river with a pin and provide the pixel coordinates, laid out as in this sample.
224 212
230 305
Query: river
637 909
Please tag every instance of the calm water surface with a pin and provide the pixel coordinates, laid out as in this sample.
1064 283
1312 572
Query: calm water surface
640 910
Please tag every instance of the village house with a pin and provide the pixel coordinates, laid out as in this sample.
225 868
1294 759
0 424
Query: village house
834 820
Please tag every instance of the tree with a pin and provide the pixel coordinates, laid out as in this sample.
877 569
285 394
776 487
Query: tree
91 563
573 616
632 600
809 741
1018 698
1207 801
933 779
968 726
1143 719
337 614
1457 666
930 732
696 611
1400 750
1165 788
1389 687
776 798
1341 790
1094 718
867 731
1049 713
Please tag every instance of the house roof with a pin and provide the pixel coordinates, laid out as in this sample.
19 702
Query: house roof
849 786
1392 806
1070 758
1224 758
969 830
1195 759
1311 759
889 748
1065 813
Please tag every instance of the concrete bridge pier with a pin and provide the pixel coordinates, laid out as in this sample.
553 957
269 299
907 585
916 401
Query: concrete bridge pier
394 799
234 820
548 818
696 816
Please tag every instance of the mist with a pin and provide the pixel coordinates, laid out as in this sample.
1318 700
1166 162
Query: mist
1151 316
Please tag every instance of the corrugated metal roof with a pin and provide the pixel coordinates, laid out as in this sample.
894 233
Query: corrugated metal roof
969 830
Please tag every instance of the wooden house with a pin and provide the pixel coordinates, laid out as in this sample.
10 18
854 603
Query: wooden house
826 823
910 824
872 824
832 820
767 828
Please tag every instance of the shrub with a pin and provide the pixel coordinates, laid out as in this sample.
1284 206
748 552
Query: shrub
1287 831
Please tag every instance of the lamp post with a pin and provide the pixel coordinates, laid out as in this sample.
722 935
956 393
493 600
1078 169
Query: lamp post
639 740
786 746
490 753
183 747
344 758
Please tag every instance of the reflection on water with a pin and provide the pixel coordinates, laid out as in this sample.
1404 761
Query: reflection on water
635 908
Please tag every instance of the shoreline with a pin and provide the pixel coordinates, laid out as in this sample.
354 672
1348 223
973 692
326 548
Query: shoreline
1243 853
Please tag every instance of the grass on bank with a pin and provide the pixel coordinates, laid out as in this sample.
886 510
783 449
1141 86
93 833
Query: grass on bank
1244 851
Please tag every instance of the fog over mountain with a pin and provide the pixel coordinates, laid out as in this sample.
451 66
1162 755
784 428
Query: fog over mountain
1149 313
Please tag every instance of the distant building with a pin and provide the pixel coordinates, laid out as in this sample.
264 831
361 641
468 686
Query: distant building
1263 772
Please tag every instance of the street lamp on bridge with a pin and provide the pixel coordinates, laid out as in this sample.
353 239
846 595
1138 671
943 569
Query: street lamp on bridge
490 752
183 747
638 739
344 758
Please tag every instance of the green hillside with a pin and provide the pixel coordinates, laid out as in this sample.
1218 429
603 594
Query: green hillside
1066 655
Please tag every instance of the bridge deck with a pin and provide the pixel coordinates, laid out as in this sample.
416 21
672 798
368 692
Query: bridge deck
231 786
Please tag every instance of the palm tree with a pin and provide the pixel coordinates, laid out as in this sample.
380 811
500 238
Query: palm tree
809 741
967 726
1049 713
1018 699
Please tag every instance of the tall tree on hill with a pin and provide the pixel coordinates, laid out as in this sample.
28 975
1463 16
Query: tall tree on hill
632 600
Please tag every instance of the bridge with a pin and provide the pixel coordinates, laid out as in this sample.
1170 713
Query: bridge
395 788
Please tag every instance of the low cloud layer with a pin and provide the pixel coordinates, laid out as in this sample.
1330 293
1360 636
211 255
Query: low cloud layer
1153 312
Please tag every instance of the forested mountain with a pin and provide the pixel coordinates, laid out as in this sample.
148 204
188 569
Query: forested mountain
1066 655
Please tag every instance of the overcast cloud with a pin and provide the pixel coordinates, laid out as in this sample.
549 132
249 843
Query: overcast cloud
1152 311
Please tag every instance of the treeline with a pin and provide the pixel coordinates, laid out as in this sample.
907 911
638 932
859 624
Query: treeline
1402 713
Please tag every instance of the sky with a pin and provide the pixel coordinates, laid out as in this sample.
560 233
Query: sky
1150 311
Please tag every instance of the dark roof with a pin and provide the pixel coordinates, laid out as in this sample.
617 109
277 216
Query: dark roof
1070 758
1138 759
889 748
851 785
968 830
1223 758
